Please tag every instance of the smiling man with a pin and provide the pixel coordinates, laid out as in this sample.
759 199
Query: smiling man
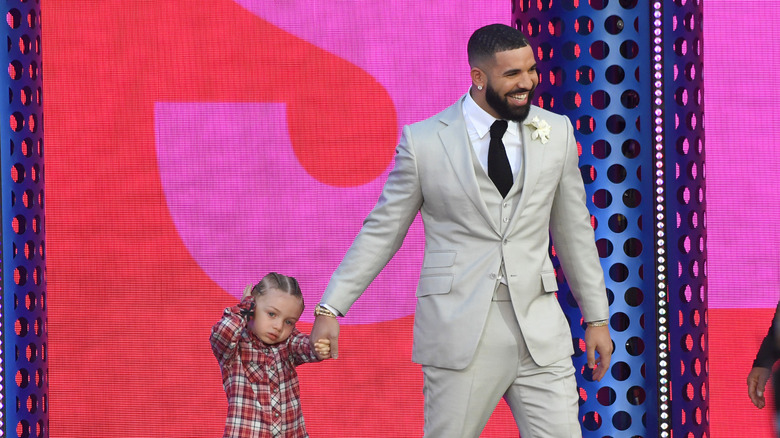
492 176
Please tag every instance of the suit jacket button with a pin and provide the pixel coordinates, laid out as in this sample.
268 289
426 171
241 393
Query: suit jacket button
492 276
506 241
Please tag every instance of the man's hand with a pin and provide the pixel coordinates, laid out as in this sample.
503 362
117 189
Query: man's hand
756 382
327 328
597 339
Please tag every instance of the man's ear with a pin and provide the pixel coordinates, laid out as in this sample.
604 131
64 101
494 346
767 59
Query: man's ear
478 77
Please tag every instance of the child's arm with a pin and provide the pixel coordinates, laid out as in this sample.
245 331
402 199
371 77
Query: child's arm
301 348
226 333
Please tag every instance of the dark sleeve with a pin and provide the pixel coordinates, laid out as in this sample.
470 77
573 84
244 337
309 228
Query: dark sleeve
769 352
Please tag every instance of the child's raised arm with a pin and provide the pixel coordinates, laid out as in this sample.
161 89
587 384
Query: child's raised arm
226 332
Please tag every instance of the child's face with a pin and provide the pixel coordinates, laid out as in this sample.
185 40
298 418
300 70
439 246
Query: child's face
276 313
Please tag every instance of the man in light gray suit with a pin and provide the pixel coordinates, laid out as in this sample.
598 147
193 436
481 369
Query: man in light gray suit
492 177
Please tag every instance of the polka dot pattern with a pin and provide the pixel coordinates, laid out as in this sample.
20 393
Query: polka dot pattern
24 324
596 65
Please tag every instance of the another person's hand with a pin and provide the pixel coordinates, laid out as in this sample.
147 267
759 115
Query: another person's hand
327 328
322 349
598 340
756 382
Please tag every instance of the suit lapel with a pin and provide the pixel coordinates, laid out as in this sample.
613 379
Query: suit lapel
533 156
459 151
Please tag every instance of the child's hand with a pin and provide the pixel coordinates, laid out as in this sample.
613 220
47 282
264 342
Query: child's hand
322 349
248 290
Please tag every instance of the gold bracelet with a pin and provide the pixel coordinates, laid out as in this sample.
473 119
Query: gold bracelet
321 311
600 323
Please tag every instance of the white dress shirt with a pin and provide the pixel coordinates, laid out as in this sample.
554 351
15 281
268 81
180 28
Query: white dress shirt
478 123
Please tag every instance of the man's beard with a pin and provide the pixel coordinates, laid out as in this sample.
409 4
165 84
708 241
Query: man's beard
502 107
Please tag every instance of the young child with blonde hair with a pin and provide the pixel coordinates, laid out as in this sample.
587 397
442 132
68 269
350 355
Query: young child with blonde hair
258 347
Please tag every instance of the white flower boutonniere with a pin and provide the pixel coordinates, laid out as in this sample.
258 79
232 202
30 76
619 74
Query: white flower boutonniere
541 130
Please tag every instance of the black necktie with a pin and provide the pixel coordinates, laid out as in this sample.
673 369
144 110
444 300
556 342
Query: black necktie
498 164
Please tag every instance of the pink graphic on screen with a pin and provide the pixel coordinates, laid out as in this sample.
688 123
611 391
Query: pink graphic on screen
743 202
244 204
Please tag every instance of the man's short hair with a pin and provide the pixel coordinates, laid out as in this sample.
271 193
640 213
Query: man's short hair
488 40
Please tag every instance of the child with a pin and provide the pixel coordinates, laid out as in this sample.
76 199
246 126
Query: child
258 347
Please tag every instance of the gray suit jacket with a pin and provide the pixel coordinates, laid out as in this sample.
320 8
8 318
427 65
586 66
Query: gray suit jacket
470 230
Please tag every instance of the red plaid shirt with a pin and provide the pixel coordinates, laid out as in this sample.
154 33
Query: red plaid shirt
259 379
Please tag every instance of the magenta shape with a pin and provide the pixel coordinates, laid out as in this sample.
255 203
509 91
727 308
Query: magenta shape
244 206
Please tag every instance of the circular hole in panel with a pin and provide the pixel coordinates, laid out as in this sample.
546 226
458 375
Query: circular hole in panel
636 395
688 392
616 173
572 100
620 371
30 301
601 149
629 49
599 50
606 396
20 276
683 146
23 429
583 25
546 100
618 272
31 352
634 296
680 46
604 247
599 99
630 99
571 50
615 74
584 75
588 173
632 247
635 346
632 198
618 223
619 321
32 403
22 378
628 4
22 327
15 69
19 224
585 125
557 76
614 24
533 28
570 4
555 27
687 342
13 18
16 121
591 421
616 124
621 420
598 4
602 198
631 148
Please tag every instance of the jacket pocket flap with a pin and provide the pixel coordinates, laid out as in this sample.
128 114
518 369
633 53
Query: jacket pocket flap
548 281
439 259
434 285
